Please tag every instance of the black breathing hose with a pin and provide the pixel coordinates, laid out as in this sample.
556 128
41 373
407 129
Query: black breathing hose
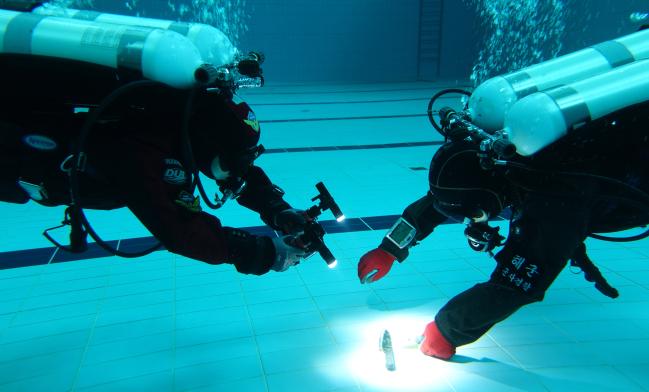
79 160
434 99
637 204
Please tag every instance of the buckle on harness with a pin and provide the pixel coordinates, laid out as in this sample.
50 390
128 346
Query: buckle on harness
35 192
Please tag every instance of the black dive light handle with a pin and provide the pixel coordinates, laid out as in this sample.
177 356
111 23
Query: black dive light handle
313 236
313 232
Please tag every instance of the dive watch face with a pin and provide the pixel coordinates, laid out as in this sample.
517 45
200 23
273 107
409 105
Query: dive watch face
402 233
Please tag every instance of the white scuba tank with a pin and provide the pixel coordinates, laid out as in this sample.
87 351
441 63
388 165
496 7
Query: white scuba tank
160 55
541 118
215 47
491 100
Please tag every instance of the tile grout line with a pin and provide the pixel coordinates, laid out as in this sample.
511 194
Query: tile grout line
325 321
91 332
254 333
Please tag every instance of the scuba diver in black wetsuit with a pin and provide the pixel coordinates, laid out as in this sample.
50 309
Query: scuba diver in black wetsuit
552 213
567 163
92 136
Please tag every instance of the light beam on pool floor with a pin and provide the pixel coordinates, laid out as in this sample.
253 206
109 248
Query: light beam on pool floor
414 371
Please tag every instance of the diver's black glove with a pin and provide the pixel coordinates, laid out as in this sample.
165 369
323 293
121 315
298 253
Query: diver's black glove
291 221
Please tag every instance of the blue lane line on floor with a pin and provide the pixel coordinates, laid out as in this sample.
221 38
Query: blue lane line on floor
39 256
357 147
253 104
252 93
342 118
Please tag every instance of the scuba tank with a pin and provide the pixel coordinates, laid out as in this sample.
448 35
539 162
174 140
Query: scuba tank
543 117
160 55
490 102
214 46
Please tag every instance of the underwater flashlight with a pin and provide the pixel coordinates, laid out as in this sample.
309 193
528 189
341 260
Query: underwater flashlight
327 202
314 232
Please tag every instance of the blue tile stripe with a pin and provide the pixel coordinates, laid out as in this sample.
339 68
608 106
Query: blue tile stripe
253 92
255 104
352 147
343 118
39 256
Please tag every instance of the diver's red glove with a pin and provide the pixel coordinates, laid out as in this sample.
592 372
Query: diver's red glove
435 344
374 265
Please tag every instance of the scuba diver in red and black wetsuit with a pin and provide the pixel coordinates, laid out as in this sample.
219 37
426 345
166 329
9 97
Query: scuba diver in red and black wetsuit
90 136
136 159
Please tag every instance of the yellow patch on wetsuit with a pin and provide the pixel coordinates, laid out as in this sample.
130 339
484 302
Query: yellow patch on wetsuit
252 121
188 201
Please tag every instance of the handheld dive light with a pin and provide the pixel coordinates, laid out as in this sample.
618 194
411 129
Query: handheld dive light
314 232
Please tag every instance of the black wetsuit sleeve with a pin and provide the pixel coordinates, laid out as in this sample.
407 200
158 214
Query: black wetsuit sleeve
262 196
423 217
167 208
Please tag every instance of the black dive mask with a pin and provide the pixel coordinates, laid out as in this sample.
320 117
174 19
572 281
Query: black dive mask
237 166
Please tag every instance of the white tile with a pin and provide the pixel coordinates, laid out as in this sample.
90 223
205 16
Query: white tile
61 362
212 333
495 378
289 322
136 313
208 317
300 358
51 327
586 378
215 351
126 348
293 306
52 344
124 369
161 381
55 379
636 373
275 295
132 329
369 299
303 338
318 379
253 384
513 335
620 352
555 354
220 375
210 303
